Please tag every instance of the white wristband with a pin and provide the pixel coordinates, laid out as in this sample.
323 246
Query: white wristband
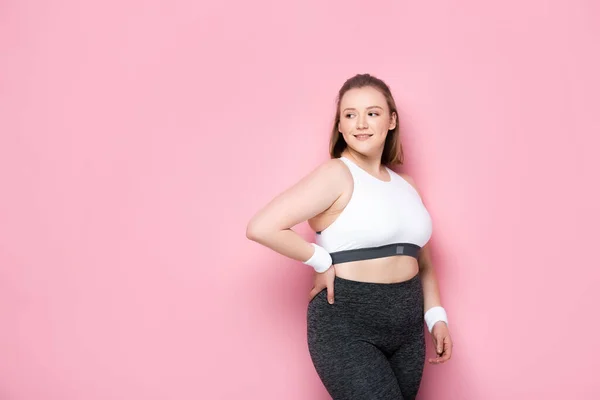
435 314
320 260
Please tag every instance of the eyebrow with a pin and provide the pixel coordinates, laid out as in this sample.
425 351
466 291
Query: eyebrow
354 109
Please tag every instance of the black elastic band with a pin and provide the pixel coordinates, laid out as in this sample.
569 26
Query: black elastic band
394 249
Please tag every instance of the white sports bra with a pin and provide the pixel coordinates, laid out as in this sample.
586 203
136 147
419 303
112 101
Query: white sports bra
381 219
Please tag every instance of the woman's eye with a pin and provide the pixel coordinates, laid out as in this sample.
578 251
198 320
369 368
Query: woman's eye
371 114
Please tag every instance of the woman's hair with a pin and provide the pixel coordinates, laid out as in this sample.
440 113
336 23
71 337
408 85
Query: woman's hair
392 150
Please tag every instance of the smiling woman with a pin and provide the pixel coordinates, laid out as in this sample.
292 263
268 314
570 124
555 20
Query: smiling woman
372 230
364 107
362 129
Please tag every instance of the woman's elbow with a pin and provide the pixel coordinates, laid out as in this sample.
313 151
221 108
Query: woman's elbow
255 231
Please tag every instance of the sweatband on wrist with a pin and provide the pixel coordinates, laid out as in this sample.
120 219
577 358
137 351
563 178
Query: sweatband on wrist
435 314
320 260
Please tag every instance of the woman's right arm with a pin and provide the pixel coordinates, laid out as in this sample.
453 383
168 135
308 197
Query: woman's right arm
313 194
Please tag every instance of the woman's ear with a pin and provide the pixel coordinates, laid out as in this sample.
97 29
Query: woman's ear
393 121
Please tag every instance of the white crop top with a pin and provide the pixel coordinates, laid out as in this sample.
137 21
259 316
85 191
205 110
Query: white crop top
378 213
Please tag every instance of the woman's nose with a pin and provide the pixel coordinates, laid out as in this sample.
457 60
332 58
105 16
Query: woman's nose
362 122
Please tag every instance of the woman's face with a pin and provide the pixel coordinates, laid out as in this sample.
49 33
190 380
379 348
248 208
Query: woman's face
365 120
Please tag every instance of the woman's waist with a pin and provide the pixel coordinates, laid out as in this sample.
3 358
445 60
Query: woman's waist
392 294
392 269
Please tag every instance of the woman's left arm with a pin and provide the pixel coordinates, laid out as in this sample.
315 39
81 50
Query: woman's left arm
432 302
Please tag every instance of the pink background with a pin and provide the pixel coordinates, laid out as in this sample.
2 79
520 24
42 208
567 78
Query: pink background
138 137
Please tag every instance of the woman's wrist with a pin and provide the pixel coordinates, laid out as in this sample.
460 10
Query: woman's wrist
434 315
320 260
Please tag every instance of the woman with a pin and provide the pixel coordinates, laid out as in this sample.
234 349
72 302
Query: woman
374 285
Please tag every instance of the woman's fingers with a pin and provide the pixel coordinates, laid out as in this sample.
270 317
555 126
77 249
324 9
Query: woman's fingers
316 290
330 280
439 347
446 343
435 344
330 292
447 349
323 280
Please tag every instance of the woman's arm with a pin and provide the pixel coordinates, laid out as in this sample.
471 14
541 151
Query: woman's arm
312 195
435 315
431 292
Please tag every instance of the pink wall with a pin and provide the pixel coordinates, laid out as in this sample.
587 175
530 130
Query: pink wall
138 137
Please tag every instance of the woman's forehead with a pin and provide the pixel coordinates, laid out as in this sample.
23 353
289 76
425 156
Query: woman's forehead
363 98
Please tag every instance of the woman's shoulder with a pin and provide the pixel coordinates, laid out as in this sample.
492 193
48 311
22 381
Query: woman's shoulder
409 179
334 166
332 170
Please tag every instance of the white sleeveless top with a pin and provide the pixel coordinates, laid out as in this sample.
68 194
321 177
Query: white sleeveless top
377 214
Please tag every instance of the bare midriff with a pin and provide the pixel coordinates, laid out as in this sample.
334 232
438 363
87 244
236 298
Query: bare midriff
379 270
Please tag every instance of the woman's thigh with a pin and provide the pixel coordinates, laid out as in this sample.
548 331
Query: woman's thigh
408 362
354 371
349 364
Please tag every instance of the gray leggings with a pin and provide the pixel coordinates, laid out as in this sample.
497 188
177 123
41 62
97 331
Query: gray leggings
370 343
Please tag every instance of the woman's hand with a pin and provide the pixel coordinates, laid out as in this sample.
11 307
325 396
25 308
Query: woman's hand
323 280
442 342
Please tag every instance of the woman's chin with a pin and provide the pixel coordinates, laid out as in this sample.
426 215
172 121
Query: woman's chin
367 149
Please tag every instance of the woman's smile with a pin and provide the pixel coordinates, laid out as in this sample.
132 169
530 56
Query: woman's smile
363 136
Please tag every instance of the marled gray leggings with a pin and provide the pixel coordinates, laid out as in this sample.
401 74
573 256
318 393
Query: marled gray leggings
370 343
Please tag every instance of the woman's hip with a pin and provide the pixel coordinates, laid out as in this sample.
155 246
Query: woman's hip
365 307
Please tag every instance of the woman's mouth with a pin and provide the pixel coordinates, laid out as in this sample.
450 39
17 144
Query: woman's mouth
363 136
